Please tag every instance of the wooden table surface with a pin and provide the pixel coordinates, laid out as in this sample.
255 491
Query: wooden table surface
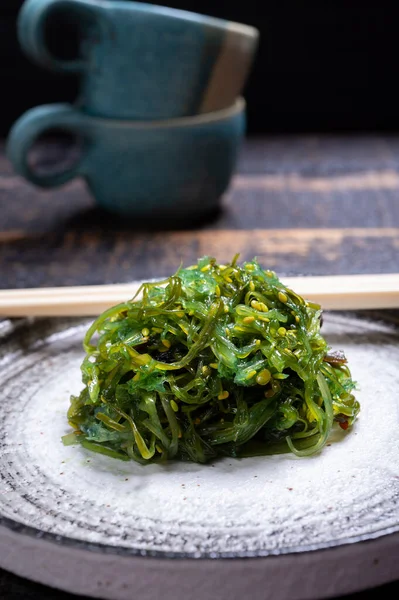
302 205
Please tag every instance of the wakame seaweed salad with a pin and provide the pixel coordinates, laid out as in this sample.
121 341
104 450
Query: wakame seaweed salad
217 360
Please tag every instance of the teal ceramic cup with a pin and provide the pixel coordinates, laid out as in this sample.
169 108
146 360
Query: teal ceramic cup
177 168
142 61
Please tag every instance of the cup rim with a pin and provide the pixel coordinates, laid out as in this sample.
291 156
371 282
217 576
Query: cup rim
239 28
210 117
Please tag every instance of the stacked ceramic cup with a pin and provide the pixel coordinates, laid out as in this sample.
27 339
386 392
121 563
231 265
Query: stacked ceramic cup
159 107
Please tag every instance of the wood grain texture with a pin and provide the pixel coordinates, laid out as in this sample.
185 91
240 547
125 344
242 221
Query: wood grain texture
95 257
302 205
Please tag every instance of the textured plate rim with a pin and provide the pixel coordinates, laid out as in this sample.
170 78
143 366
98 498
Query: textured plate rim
70 542
331 572
59 540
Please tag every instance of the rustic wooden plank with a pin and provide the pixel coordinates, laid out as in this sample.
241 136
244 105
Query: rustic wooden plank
362 200
34 210
385 179
55 237
85 257
307 155
312 155
5 166
273 201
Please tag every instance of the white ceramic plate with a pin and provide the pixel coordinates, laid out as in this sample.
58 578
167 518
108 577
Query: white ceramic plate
279 526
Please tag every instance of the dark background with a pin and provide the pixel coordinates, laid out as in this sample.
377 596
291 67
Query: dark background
322 65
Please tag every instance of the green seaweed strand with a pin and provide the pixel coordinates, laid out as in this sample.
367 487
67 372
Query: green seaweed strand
216 360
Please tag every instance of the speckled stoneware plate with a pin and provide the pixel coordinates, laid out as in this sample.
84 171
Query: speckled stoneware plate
268 527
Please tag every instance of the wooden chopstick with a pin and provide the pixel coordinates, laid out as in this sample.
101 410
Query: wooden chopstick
335 292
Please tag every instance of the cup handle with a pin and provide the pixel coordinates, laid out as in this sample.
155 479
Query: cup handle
30 126
31 30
